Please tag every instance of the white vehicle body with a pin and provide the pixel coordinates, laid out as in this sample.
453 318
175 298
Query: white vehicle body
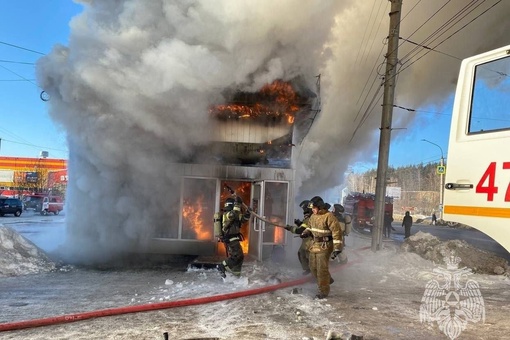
477 185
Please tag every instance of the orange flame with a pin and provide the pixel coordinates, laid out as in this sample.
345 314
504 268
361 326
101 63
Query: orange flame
279 233
277 100
193 214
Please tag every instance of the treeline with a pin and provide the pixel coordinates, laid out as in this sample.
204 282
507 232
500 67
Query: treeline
419 184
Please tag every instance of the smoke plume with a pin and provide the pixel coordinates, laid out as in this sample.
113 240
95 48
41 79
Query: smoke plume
134 86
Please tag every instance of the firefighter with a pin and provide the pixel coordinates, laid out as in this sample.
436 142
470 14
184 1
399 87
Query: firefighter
345 223
326 231
230 234
303 253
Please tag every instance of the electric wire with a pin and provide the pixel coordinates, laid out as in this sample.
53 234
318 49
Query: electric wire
33 145
451 35
21 48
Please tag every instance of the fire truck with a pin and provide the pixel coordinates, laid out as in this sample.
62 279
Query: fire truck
360 206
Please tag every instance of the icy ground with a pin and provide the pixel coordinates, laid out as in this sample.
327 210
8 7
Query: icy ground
375 295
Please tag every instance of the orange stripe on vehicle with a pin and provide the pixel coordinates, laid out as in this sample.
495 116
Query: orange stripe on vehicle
477 211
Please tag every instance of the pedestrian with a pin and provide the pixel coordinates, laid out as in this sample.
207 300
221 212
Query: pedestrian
387 224
326 231
231 221
407 223
434 219
297 228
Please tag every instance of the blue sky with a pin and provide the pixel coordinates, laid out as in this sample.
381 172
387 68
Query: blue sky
26 128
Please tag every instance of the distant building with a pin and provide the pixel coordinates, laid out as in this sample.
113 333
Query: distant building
22 175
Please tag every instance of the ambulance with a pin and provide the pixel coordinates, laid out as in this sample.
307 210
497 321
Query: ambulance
477 182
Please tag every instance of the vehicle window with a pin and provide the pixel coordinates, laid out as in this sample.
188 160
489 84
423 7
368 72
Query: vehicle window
490 100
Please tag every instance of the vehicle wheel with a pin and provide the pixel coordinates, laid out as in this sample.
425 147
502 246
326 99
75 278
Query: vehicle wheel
44 212
452 224
1 214
56 212
17 213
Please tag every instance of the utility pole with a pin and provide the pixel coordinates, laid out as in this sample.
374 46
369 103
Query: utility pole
387 113
441 182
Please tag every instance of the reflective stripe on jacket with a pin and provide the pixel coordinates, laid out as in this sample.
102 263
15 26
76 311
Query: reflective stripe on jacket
322 224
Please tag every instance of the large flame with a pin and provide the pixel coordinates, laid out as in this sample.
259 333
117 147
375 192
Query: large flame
274 101
192 212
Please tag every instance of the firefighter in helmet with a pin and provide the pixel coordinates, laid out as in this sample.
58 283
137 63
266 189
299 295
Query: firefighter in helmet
345 223
228 230
326 243
297 228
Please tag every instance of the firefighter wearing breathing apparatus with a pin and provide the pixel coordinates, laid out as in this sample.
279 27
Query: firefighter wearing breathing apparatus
227 228
297 228
345 223
326 243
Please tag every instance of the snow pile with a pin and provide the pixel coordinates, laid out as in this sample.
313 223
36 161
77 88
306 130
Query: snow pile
19 256
431 248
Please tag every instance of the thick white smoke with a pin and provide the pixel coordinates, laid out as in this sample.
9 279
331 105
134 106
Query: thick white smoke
134 85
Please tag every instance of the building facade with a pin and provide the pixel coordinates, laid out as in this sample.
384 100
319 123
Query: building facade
24 175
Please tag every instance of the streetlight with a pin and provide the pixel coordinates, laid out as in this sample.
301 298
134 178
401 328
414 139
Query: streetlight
442 179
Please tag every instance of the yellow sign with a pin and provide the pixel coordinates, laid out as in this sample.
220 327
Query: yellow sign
441 170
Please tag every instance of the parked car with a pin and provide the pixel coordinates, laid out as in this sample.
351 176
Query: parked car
11 206
44 204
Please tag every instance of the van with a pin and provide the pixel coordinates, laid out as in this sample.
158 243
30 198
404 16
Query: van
44 204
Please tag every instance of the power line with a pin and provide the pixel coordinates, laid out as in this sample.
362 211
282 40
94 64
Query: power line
19 75
33 145
16 62
21 48
457 31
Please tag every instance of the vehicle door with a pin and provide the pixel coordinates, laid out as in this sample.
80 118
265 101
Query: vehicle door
258 226
46 204
477 189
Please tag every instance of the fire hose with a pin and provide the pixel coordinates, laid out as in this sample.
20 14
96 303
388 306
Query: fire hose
61 319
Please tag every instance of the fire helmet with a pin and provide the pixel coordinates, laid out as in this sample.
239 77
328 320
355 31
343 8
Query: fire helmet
339 208
317 202
229 204
304 205
327 206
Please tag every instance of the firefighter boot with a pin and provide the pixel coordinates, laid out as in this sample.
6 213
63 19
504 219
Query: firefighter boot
221 269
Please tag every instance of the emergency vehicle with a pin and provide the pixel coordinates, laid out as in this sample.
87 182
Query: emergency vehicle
360 207
477 184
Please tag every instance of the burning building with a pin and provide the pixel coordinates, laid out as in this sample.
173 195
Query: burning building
254 139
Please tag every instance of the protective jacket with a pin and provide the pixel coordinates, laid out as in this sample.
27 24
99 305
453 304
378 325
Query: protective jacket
326 230
230 235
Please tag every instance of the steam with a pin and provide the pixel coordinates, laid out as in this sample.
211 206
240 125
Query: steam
134 86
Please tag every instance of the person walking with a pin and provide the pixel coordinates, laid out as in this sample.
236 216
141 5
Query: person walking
303 253
230 234
433 219
326 231
387 224
407 223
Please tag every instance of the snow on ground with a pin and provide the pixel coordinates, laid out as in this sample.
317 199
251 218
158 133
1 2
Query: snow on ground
19 256
376 295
